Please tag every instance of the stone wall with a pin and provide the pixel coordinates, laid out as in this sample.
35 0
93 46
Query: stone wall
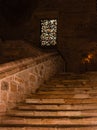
77 29
77 25
11 50
22 77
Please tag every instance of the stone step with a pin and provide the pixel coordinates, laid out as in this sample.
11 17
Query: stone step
55 113
69 76
62 76
57 122
68 80
57 107
61 101
57 96
14 128
67 88
67 83
32 128
73 79
66 102
77 91
50 128
79 128
76 128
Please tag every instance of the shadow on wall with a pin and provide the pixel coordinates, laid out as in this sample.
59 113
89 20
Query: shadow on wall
14 50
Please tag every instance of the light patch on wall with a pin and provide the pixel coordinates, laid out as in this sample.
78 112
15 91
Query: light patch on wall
88 58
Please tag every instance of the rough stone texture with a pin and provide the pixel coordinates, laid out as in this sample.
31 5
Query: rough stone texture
20 78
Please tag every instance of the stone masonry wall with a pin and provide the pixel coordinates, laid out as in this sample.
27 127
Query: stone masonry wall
22 77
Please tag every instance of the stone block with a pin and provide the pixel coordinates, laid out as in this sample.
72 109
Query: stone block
32 78
2 107
27 78
18 79
13 86
4 86
4 96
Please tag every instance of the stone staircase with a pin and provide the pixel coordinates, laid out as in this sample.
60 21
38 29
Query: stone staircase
66 102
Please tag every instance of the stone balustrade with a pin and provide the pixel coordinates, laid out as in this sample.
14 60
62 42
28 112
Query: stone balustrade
22 77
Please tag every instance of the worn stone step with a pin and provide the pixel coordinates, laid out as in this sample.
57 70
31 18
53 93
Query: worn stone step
70 74
67 88
74 90
68 92
49 128
61 101
58 96
63 87
69 78
62 78
64 75
76 86
13 128
57 107
77 91
79 128
29 128
67 83
64 122
55 113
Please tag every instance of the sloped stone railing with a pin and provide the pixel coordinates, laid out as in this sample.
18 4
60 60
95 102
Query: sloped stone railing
22 77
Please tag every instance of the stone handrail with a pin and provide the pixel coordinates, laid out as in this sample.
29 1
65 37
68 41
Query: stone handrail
19 65
22 77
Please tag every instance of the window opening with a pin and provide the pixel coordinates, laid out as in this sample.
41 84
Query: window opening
48 32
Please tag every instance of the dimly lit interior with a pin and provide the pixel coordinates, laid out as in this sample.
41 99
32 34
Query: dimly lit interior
76 32
48 64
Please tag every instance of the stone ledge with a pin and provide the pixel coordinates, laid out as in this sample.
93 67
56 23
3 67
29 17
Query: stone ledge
20 78
19 65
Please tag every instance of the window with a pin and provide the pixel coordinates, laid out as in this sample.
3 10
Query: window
48 32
